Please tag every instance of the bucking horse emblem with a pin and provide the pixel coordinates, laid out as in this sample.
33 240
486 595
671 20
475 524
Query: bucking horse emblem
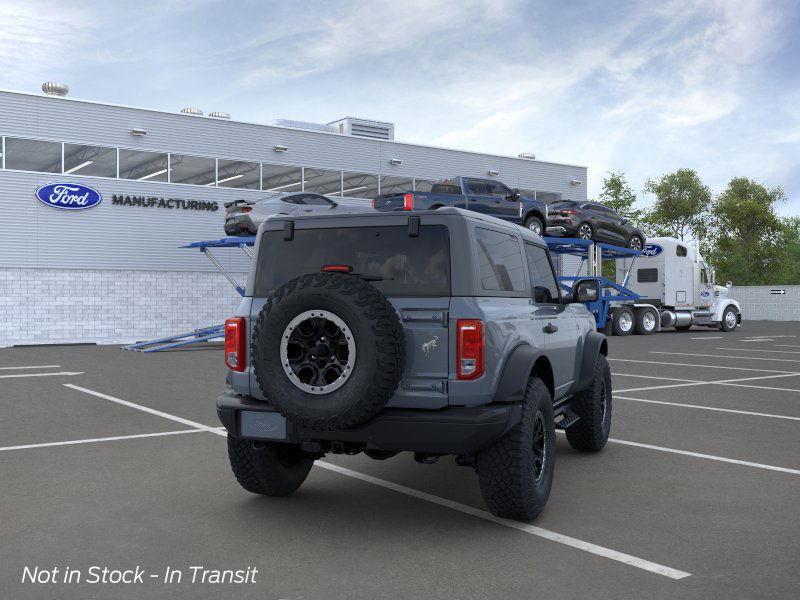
430 345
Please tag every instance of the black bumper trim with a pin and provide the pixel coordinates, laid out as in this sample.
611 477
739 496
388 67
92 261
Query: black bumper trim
454 430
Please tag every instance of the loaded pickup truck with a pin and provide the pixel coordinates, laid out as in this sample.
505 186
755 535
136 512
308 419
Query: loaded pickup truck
485 196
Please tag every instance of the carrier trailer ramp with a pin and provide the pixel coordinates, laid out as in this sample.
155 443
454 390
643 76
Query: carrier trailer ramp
667 284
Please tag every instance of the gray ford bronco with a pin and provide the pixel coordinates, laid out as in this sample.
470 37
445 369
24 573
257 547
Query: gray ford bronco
436 332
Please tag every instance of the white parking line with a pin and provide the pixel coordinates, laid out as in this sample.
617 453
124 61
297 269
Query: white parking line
656 362
719 381
557 537
65 373
759 350
702 407
786 346
146 409
706 456
627 559
615 374
757 340
31 367
105 439
708 337
725 356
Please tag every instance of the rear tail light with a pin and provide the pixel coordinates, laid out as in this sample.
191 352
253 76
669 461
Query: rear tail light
234 344
374 200
469 348
337 269
246 209
566 213
408 201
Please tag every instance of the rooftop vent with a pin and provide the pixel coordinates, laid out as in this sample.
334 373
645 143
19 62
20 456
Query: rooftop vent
377 130
192 111
51 88
527 155
219 115
303 125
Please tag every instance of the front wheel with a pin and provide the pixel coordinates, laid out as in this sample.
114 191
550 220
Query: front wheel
535 225
268 468
584 231
729 320
593 407
516 472
635 243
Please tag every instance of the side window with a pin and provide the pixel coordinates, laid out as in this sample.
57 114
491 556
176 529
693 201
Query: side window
543 282
647 275
681 251
704 276
495 188
476 186
499 261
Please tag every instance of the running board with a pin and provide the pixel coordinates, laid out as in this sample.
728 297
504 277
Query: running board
567 418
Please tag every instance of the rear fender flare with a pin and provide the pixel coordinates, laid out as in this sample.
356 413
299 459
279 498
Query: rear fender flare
515 374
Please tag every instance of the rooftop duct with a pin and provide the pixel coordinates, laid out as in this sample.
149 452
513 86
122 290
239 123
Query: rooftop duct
376 130
51 88
527 155
192 111
219 115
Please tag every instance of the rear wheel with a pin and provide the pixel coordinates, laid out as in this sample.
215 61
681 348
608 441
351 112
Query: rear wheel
645 323
635 243
729 319
268 468
584 231
516 472
622 323
535 225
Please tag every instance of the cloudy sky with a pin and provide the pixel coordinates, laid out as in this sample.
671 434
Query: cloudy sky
641 87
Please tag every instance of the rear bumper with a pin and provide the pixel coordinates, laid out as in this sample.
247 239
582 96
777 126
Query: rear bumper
454 430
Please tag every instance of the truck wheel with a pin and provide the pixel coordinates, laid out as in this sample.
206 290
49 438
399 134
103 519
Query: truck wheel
593 406
328 351
729 319
516 472
535 225
622 323
269 469
645 321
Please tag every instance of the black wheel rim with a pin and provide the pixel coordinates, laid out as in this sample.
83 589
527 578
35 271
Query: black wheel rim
539 447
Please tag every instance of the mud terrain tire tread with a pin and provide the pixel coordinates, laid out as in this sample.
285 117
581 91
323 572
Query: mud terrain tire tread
590 432
263 471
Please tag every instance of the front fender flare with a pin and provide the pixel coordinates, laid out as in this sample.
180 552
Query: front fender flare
594 344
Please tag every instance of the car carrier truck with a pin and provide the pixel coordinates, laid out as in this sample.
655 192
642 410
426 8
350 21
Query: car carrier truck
673 278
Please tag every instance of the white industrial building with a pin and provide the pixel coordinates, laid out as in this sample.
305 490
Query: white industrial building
115 272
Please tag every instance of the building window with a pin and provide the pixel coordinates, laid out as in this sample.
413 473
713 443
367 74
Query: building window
97 161
280 178
499 261
33 155
320 181
194 170
237 174
359 185
143 166
423 185
396 185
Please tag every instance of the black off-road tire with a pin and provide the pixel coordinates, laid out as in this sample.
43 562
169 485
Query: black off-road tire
618 321
530 222
269 469
506 471
593 406
378 337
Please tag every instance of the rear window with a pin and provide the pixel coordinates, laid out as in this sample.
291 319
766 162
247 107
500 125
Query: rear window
446 186
500 261
409 266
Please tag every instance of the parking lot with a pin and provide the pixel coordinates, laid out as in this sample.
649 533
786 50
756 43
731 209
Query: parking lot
116 458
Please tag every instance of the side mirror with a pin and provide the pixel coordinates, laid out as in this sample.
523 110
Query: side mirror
729 285
586 290
334 204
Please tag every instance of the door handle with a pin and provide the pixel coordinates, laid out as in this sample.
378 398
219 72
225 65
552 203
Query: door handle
550 328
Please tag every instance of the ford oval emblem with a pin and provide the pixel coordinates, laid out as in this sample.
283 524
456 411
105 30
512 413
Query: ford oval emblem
652 250
68 196
705 294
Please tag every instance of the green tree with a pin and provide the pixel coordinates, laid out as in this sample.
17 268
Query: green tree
749 243
618 195
681 205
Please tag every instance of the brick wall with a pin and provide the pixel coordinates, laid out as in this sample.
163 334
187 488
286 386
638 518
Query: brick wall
758 303
47 306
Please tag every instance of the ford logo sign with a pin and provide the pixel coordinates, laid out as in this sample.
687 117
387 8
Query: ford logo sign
68 196
652 250
705 294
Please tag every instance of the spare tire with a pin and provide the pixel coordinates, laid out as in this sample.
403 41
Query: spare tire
328 351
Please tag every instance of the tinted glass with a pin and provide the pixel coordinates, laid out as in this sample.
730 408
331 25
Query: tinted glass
308 200
195 170
495 188
90 160
446 186
33 155
562 204
499 261
544 289
475 186
281 178
409 266
144 166
360 185
238 174
681 251
647 275
548 197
